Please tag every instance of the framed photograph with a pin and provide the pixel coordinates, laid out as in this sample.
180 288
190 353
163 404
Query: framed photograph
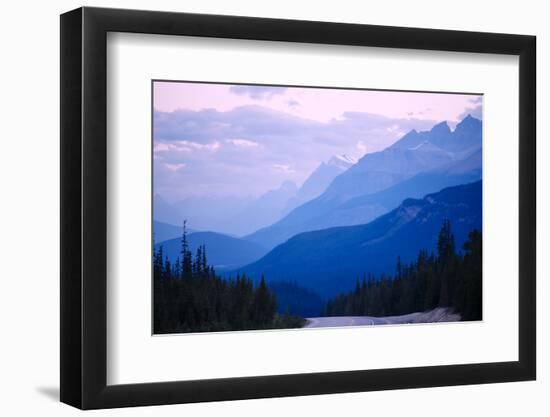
257 208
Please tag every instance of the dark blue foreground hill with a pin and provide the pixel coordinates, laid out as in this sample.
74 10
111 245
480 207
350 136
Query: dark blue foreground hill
329 261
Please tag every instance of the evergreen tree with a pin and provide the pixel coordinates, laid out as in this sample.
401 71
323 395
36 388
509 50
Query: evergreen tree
206 302
204 265
186 257
264 304
167 270
176 271
446 260
158 263
399 267
197 265
472 301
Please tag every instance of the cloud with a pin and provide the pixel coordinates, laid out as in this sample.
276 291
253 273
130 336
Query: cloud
255 123
174 167
476 112
394 128
293 103
279 147
214 146
162 147
257 92
427 110
283 168
243 143
361 147
185 146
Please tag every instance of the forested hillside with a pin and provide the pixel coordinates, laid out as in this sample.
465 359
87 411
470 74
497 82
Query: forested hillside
444 279
190 297
328 261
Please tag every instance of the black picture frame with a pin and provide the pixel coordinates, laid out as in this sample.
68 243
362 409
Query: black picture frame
84 207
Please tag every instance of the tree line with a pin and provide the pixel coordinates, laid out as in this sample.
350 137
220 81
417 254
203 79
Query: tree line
444 279
189 296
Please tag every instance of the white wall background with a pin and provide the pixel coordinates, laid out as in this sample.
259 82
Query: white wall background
29 226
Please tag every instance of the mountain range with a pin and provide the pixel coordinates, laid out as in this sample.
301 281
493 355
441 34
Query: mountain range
243 215
329 261
417 164
348 218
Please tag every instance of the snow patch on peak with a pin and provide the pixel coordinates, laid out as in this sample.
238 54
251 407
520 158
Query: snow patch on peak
347 158
339 160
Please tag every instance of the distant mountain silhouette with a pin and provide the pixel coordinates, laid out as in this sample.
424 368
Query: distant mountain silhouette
223 251
264 210
203 212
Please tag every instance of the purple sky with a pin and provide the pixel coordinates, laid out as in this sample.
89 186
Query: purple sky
219 139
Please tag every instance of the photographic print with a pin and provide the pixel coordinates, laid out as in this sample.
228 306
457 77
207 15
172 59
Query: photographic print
278 207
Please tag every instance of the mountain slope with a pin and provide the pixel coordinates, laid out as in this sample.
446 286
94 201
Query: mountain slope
363 209
296 300
414 153
266 209
328 261
320 179
222 251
